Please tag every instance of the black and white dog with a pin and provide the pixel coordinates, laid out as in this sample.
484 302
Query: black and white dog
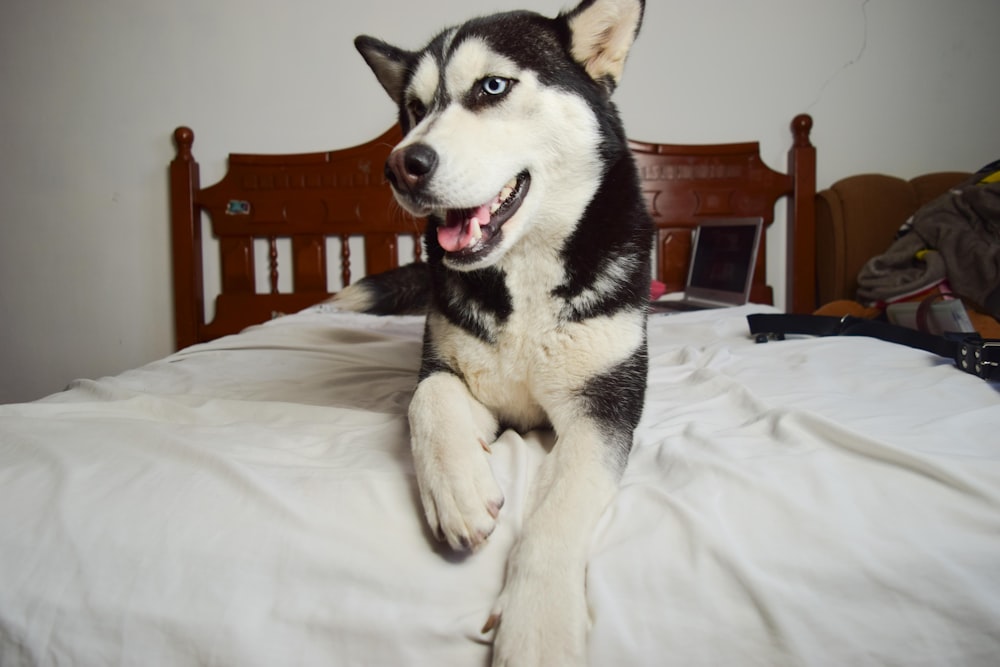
536 288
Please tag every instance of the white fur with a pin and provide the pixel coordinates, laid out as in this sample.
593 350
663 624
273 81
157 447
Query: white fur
603 36
480 151
352 297
448 427
425 80
473 60
543 610
533 370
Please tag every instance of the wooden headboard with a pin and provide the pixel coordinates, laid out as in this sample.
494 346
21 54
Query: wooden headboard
309 198
684 184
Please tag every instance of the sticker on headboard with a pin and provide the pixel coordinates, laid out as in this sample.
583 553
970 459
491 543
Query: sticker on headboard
238 207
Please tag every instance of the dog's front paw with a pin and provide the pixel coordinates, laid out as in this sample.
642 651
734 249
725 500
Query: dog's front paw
540 622
460 495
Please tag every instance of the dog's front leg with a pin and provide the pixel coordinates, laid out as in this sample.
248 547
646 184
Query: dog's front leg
450 434
541 616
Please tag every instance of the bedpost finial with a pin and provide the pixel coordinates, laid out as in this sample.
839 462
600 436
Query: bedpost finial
801 127
184 138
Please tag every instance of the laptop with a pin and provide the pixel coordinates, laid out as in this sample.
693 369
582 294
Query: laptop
723 256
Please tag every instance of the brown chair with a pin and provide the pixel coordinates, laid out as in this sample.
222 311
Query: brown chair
858 217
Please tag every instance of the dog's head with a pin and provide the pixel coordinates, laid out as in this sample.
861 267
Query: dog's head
504 120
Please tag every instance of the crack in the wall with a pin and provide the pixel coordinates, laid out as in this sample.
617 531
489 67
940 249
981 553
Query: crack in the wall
849 63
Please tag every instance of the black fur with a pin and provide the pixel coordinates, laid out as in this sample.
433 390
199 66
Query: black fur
477 301
402 291
593 398
602 239
616 398
431 363
616 224
612 238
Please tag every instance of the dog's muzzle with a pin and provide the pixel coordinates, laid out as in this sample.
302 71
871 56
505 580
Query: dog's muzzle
467 233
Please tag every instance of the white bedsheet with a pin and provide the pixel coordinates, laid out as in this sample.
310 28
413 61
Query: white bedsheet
251 502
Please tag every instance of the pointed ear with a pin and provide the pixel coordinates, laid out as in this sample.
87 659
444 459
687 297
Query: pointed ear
603 32
389 63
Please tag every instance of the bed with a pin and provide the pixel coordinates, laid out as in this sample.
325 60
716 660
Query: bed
249 499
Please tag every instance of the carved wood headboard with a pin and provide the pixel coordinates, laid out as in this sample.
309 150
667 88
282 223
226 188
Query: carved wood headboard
342 194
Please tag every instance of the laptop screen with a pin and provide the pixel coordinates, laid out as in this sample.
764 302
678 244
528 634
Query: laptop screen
723 256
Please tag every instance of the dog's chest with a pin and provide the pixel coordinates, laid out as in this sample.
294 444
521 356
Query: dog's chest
536 360
505 374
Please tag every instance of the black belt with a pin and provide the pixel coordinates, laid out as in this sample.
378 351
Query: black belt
972 353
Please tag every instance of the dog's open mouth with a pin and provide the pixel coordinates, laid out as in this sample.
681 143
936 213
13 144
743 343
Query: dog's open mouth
466 232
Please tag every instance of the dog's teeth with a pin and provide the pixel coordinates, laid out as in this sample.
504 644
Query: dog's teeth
495 207
506 192
477 232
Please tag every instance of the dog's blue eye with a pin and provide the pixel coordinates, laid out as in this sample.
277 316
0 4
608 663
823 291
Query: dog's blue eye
495 85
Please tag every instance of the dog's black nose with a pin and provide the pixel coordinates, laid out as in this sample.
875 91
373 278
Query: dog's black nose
409 168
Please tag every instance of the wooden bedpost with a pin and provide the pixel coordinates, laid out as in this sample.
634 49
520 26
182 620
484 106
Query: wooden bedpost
185 226
800 279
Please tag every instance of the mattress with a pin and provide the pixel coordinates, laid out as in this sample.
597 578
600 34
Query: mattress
251 501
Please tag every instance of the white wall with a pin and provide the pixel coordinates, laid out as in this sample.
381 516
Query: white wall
92 91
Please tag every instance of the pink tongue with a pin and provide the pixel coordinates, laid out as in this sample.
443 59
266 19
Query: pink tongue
460 228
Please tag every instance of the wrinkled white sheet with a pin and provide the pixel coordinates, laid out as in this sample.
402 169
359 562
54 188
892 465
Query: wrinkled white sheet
251 502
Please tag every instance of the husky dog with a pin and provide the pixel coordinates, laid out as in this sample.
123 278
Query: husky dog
536 287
